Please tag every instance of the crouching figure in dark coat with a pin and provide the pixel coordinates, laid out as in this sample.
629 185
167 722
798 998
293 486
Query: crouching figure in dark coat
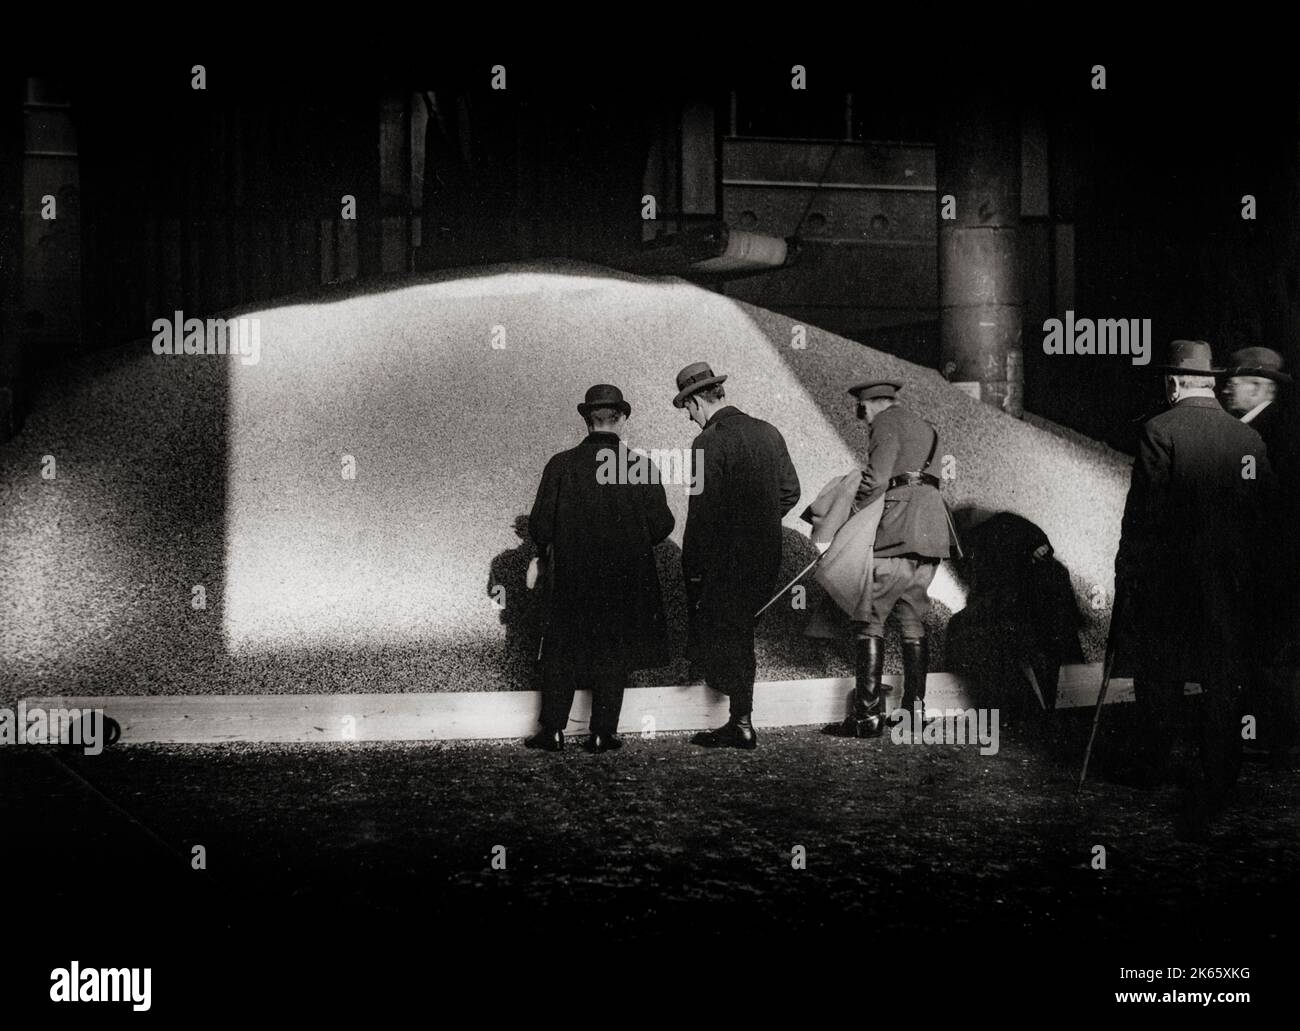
605 614
1187 567
744 484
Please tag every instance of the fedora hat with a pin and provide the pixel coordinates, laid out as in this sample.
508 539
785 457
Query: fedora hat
695 377
876 388
1258 361
604 395
1190 357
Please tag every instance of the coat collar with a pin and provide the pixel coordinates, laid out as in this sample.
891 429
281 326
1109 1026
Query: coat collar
1255 412
601 438
1199 402
722 413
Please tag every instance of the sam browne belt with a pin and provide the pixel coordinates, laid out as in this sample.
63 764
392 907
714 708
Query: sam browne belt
908 479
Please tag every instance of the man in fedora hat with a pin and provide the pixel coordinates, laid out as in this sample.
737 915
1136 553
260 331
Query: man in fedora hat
605 610
914 534
731 551
1186 566
1251 391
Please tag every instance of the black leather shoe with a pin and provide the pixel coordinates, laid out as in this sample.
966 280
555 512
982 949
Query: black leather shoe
546 740
604 743
737 732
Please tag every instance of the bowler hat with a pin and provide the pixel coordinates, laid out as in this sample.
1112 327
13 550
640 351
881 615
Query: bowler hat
1190 357
603 395
876 388
695 377
1258 361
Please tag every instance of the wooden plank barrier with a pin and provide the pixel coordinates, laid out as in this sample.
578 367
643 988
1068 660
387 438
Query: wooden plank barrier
442 716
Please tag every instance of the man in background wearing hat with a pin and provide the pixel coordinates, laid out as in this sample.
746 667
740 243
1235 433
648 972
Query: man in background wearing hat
913 535
1185 570
1250 392
731 551
1251 387
605 612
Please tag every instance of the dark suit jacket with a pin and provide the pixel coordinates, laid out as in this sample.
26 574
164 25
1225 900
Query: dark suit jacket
732 543
1190 542
1279 608
604 599
914 521
1278 430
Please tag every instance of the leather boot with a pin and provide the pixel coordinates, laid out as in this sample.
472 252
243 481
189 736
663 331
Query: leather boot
868 716
916 664
737 732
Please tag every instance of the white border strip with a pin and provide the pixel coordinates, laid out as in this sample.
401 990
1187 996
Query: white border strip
468 715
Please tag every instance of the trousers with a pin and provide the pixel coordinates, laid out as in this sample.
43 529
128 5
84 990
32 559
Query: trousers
730 665
561 678
1217 729
900 582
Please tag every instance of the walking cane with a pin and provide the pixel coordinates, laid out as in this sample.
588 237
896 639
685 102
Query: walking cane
1027 670
1107 666
538 575
779 594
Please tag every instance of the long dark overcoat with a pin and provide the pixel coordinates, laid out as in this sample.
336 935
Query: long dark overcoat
604 599
1192 534
732 542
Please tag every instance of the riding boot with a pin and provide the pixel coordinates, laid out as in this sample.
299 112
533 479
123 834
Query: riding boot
868 716
916 664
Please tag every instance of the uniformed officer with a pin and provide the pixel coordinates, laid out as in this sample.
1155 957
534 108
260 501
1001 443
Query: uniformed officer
915 532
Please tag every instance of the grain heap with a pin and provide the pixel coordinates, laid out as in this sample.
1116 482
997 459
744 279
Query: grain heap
444 397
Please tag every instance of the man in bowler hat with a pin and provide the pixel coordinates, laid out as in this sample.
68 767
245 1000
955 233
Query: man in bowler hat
731 551
1252 391
1186 568
914 534
605 613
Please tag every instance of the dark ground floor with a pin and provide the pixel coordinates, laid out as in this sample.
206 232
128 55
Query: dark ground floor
342 875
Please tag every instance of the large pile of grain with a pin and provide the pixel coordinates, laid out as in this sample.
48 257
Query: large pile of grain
449 394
